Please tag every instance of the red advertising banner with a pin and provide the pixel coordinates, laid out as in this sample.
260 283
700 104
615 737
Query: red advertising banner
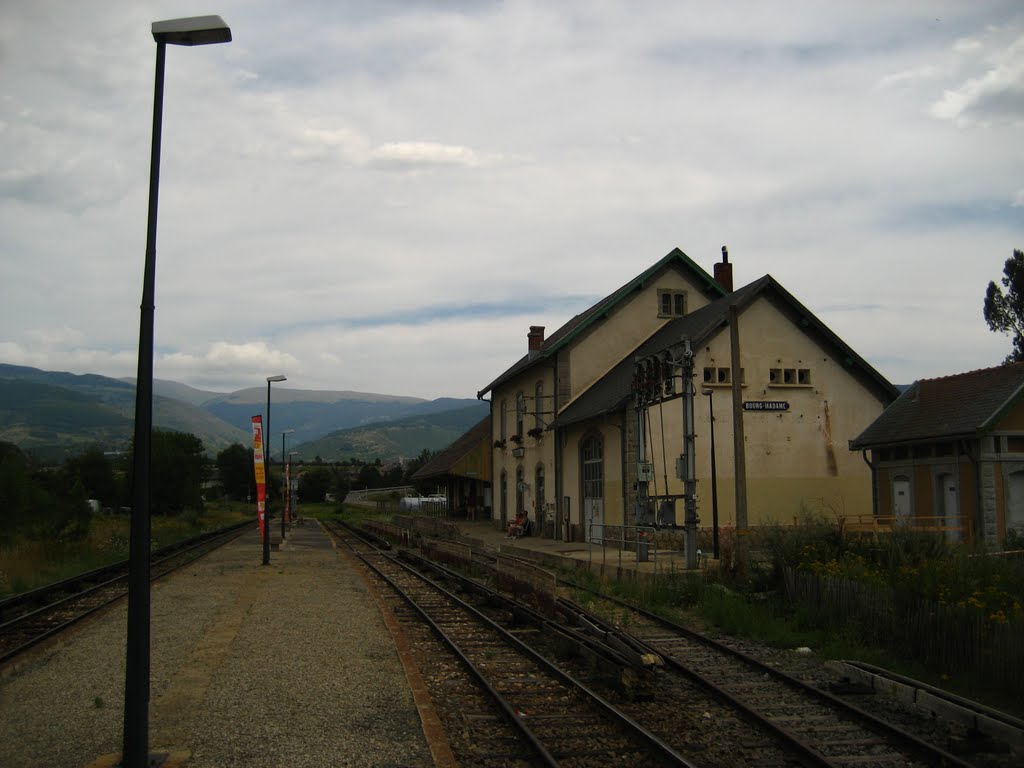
261 477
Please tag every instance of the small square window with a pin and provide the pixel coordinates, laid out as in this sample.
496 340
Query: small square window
723 376
789 376
1015 444
803 376
671 303
709 375
775 376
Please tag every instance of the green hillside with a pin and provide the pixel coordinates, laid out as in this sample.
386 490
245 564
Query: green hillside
402 438
54 414
53 421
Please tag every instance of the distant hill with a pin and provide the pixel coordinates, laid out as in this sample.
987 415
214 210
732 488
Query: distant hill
313 414
398 439
53 414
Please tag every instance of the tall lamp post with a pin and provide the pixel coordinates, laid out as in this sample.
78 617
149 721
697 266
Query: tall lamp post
198 30
709 393
284 481
266 512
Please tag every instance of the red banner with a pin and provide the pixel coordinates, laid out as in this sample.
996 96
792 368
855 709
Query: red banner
261 476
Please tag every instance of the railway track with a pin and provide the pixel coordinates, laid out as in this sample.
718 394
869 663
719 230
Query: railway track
28 619
822 729
522 709
770 717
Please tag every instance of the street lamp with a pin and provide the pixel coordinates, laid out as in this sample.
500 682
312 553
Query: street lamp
708 392
284 479
200 30
266 511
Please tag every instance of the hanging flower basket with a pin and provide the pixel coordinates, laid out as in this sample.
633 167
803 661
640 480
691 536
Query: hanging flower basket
499 443
536 433
516 439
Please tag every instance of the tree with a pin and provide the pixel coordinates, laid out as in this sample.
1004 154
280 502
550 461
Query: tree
315 484
369 476
177 472
96 474
237 472
1004 312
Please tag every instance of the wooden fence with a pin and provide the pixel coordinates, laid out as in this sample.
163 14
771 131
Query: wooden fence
946 638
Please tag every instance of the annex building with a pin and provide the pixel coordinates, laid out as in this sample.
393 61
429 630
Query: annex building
948 456
572 444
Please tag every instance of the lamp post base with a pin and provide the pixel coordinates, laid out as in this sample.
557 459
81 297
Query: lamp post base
171 759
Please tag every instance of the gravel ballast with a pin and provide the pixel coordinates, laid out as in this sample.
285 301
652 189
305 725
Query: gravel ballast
286 664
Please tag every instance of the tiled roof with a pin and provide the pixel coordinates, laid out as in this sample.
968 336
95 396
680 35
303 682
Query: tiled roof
952 406
446 459
582 321
612 392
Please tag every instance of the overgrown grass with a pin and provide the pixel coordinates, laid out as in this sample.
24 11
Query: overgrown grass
29 564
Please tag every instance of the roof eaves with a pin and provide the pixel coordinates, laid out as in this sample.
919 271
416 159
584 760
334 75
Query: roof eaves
1001 411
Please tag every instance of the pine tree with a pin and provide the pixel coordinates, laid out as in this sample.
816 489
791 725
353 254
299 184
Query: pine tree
1004 312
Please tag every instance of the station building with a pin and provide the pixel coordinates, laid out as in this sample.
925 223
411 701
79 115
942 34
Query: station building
569 445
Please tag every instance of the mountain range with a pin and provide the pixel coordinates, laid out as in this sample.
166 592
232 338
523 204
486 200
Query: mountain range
54 414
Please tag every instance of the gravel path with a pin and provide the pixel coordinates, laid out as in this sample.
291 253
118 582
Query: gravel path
285 665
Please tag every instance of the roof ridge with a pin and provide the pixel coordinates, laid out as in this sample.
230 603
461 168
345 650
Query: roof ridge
973 372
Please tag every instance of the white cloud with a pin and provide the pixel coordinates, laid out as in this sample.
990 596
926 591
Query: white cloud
427 153
995 95
384 197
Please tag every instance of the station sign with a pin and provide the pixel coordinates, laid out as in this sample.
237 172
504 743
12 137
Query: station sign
765 405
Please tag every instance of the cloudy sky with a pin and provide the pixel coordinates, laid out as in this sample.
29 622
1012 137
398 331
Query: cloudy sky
384 196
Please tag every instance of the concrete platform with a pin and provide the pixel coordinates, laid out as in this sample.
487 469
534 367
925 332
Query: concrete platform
290 664
609 558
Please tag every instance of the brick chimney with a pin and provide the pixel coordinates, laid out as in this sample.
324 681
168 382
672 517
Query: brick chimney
723 271
534 339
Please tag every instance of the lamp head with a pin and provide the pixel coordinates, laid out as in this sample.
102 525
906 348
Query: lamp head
276 378
194 30
707 391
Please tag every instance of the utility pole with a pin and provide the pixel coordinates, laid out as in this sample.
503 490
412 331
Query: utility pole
739 450
687 469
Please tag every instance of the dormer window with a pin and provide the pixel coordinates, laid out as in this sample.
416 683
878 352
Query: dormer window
671 303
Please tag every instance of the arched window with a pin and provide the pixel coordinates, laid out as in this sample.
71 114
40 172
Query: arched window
538 404
520 412
520 488
501 420
503 502
538 494
592 454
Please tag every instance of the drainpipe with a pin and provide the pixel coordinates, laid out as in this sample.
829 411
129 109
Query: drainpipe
561 524
874 483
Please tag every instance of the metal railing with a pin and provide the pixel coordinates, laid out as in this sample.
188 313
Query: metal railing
638 541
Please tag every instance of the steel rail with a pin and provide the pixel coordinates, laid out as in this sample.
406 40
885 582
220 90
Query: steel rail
169 552
914 743
603 705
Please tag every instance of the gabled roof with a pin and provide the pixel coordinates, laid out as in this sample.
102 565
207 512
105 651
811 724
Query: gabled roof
454 453
612 392
962 405
600 310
